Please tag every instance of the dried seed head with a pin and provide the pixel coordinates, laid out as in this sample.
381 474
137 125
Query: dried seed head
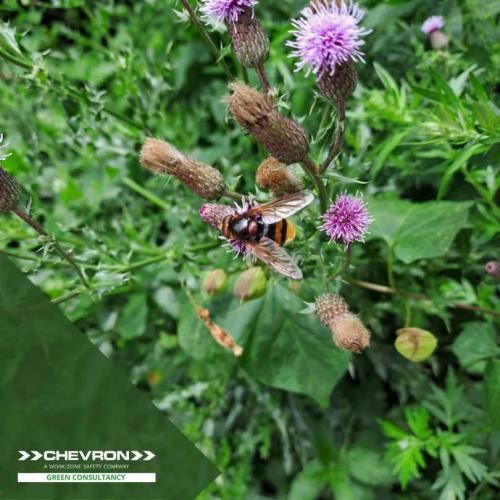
214 214
415 344
221 336
274 176
215 282
493 268
10 192
439 40
250 43
340 85
348 331
162 158
251 284
282 137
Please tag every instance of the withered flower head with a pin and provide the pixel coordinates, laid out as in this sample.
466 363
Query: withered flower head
285 139
162 158
221 336
348 331
10 192
250 43
274 176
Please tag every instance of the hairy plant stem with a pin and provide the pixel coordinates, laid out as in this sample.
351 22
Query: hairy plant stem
206 37
312 170
416 296
339 137
233 196
57 248
264 80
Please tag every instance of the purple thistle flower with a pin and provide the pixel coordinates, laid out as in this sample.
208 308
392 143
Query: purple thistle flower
346 220
431 24
226 10
328 35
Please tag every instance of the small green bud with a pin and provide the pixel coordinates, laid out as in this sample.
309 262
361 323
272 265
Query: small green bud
415 344
251 284
215 282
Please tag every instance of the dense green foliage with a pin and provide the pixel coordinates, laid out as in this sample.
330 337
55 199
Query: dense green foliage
83 83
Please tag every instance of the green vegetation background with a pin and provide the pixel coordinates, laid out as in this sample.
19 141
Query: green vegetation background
422 144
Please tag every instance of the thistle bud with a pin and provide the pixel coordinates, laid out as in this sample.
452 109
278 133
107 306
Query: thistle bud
285 139
340 85
250 43
214 214
348 331
215 282
251 284
10 192
162 158
274 176
415 344
493 268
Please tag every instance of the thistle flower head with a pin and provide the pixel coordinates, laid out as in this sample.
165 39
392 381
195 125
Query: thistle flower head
162 158
346 220
493 268
226 10
214 214
431 24
274 176
328 35
285 139
348 331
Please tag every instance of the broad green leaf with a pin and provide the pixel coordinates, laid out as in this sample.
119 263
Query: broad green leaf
132 321
308 483
492 393
292 351
367 466
388 217
474 344
429 229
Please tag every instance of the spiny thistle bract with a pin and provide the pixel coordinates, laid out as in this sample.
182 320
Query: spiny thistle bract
274 176
163 158
339 86
347 329
346 220
285 139
10 192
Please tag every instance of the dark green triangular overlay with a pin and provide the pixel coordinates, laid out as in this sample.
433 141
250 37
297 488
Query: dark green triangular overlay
58 392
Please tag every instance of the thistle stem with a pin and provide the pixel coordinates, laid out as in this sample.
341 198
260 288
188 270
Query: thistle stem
312 170
233 196
264 80
375 287
206 37
339 137
57 248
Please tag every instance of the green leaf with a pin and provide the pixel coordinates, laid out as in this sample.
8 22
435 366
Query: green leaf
132 321
475 343
429 229
292 351
309 483
417 231
492 393
367 466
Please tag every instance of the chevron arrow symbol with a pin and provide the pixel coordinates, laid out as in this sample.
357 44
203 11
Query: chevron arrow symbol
137 455
24 455
36 455
149 455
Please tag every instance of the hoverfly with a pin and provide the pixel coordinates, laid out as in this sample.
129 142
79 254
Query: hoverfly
262 230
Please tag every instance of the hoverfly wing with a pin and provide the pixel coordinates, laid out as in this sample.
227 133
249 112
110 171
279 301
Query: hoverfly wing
283 207
275 257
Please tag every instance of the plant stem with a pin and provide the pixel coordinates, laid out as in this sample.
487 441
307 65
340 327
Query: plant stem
339 137
390 272
233 196
58 249
312 170
148 195
206 37
417 296
264 80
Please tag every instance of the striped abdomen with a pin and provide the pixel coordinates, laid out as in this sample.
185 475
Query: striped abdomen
282 232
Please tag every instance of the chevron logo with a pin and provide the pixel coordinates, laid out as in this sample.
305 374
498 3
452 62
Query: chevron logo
94 455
